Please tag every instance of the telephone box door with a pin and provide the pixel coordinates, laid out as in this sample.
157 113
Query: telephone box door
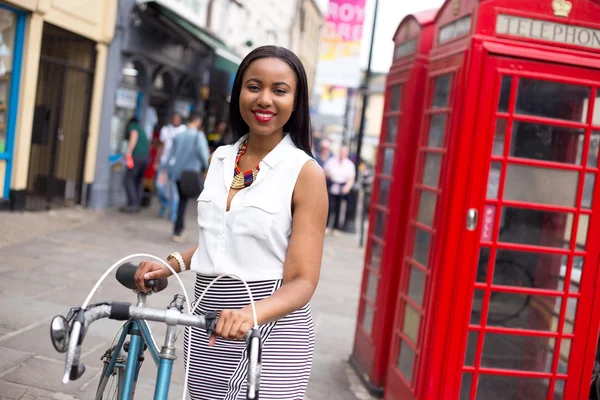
534 252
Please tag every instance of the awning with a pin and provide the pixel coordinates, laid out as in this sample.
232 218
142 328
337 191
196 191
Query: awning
225 58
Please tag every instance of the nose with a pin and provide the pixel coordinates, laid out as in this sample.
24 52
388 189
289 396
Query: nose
265 99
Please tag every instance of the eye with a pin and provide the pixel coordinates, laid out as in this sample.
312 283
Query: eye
280 91
253 88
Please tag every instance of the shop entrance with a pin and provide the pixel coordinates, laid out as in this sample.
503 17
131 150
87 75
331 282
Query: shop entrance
535 260
60 127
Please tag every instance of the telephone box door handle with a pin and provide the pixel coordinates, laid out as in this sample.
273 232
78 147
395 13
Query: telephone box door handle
472 219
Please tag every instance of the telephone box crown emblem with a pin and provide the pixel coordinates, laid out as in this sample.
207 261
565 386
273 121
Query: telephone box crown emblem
562 8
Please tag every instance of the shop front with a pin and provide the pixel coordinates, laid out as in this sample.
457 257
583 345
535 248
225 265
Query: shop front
394 173
499 265
12 37
52 63
160 63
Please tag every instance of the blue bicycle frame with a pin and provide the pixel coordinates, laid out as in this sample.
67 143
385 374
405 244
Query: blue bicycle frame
140 336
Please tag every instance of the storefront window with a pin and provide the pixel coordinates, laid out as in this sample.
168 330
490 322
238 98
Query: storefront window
7 39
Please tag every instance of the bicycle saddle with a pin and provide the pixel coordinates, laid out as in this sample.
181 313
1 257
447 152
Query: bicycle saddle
126 275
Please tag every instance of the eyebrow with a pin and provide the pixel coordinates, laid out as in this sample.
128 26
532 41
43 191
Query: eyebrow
274 84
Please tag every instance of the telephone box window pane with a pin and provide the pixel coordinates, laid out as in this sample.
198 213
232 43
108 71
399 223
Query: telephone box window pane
411 323
582 231
505 93
563 357
367 321
552 99
593 151
588 190
541 185
499 138
483 265
524 311
547 142
406 359
388 161
521 353
494 181
575 273
465 387
421 247
380 218
375 255
384 192
372 283
392 127
431 173
477 306
441 94
537 227
416 285
436 130
395 96
512 387
571 312
529 270
472 340
427 203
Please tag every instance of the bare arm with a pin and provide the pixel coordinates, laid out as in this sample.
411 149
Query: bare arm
302 265
133 138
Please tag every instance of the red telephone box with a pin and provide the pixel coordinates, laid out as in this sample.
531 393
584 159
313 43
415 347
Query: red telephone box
500 262
395 165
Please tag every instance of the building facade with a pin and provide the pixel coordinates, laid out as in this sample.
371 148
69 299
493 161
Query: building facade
162 60
306 37
52 66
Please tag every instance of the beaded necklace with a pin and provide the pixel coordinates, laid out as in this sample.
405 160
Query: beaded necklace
243 179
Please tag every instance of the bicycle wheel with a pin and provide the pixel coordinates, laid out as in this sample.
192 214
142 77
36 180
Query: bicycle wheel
109 387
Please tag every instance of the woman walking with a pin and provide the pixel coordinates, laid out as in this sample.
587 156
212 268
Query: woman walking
261 216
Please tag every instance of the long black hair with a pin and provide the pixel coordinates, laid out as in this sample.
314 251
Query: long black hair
298 125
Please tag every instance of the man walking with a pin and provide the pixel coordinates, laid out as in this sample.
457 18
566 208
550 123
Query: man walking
189 153
166 189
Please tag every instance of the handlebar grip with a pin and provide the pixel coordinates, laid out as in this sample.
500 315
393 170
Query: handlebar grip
151 283
254 364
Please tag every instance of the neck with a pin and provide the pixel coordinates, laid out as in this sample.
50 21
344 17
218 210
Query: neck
260 145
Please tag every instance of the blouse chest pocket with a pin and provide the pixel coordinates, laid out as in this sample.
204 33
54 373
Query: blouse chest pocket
256 216
207 210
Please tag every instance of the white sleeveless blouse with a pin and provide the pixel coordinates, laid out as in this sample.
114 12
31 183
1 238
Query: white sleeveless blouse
251 239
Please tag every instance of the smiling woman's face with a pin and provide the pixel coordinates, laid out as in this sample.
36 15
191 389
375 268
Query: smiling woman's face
267 95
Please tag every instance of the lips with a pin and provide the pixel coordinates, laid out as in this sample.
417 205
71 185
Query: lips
263 116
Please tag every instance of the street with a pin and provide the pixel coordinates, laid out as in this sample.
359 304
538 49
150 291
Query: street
51 260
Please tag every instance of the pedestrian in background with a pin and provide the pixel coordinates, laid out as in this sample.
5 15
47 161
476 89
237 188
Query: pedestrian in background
188 157
136 160
167 192
215 138
341 173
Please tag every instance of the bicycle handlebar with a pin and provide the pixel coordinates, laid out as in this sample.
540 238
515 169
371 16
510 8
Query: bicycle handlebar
124 311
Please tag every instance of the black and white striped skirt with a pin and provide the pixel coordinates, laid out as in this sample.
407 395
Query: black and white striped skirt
219 372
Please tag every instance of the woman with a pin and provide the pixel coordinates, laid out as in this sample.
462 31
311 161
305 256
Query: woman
137 157
262 216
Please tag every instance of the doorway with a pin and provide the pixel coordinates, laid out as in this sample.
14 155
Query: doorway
61 119
535 261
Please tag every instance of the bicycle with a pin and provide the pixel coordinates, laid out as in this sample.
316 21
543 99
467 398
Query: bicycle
120 371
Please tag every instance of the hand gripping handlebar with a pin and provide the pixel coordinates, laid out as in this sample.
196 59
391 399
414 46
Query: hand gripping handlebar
124 311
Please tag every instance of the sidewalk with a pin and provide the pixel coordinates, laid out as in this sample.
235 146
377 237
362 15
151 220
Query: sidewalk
50 261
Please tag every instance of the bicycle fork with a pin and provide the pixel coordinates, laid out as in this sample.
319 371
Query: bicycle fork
167 355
